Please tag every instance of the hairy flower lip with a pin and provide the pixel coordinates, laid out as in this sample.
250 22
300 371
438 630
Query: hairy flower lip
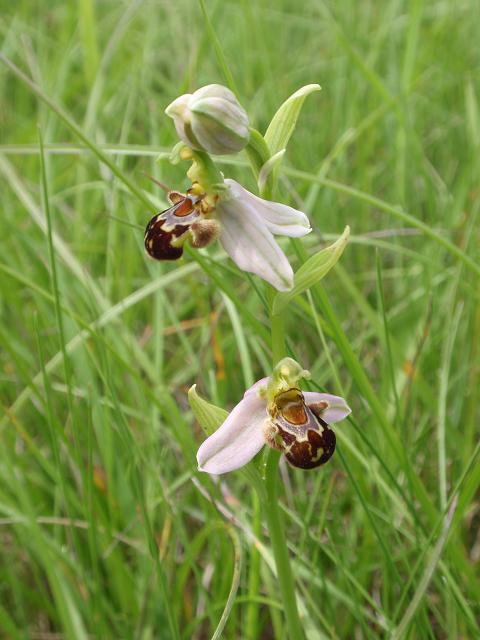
241 436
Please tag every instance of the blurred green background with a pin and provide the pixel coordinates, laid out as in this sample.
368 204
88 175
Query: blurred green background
106 528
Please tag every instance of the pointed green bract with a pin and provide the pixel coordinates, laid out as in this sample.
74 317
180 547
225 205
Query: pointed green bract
209 416
312 271
257 151
283 122
268 168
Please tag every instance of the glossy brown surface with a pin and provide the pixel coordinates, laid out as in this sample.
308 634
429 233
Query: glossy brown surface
302 435
167 227
313 452
158 241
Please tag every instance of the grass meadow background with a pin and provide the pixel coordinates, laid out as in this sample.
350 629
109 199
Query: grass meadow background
107 530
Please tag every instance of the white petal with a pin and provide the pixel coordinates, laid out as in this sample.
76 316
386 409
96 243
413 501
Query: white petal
217 137
219 122
337 408
231 116
280 219
250 244
237 440
179 111
179 107
214 91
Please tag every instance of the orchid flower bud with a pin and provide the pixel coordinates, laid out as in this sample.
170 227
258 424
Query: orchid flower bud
210 119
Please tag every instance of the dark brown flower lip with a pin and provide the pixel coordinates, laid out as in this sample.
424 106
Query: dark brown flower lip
165 229
299 431
313 452
159 241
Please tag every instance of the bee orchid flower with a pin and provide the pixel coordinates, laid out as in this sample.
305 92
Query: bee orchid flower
274 411
245 225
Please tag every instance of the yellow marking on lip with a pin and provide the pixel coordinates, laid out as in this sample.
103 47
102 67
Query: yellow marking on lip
318 456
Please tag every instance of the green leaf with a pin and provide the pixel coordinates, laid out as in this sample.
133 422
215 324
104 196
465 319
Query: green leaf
283 122
209 416
401 630
312 271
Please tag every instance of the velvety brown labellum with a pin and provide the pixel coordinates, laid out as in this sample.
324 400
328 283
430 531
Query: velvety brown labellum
168 226
302 435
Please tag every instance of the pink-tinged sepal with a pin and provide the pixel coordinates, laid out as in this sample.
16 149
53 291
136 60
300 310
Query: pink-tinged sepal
330 408
237 440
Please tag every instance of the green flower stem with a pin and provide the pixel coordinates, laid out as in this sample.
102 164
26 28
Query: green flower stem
258 153
253 609
206 172
270 502
278 543
277 326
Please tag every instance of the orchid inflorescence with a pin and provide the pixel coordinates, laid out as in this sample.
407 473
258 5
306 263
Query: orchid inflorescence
274 411
211 121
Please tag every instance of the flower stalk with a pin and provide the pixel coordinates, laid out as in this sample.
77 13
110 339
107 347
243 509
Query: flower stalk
277 326
203 171
271 509
278 543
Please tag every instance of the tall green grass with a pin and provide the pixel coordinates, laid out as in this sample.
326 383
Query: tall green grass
106 528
